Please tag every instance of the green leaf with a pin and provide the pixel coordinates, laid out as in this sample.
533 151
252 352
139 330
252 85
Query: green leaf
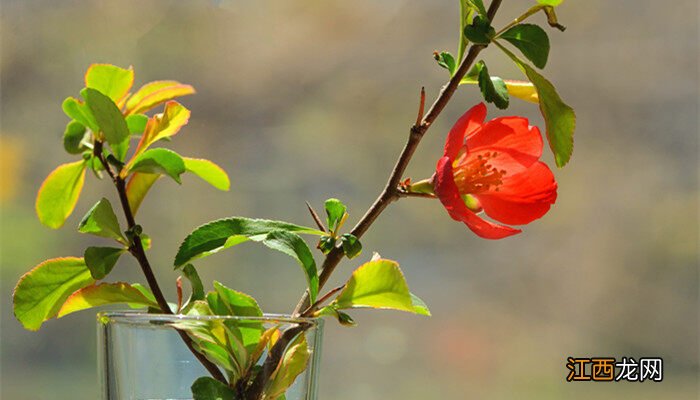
112 81
136 123
445 60
294 246
208 388
197 288
559 117
215 353
80 112
154 93
335 211
108 117
160 161
419 306
225 301
40 293
138 186
552 3
531 40
377 284
351 245
480 31
214 236
146 292
493 90
101 260
73 137
292 365
105 293
210 172
59 193
101 221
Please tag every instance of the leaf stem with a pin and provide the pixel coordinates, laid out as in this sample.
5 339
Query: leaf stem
136 249
321 300
533 10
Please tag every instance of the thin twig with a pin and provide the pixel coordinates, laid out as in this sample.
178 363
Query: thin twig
316 218
321 300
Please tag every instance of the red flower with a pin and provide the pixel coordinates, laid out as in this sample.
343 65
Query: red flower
494 167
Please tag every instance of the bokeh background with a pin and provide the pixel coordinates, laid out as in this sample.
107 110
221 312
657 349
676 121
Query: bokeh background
305 100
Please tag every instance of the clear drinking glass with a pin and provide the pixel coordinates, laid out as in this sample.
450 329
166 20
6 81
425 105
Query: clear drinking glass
143 357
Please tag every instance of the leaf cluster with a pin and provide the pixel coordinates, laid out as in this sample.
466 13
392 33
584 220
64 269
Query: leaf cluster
533 42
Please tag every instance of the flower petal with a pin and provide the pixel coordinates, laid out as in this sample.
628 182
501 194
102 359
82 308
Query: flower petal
447 192
517 144
522 198
466 125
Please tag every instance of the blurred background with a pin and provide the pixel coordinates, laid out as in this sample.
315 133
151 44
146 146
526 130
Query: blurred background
305 100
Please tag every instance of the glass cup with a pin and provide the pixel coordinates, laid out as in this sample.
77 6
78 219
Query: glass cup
143 356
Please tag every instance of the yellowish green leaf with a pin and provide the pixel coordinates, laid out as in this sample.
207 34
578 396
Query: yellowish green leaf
139 184
101 221
378 284
523 90
59 193
110 80
164 125
552 3
159 161
41 292
136 123
80 112
292 365
209 172
155 93
105 293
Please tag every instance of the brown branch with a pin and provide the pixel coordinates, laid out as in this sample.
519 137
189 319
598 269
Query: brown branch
136 249
391 192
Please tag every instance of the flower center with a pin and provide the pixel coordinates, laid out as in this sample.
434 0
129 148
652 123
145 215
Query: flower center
475 175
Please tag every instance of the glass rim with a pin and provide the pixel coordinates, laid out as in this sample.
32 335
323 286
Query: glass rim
137 317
